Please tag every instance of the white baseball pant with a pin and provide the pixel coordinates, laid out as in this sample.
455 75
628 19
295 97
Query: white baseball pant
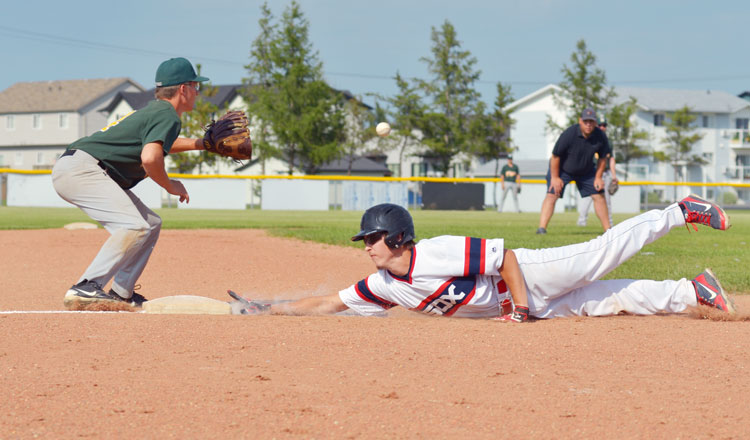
564 281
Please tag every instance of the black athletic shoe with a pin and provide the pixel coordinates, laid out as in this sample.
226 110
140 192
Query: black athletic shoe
136 300
541 231
86 292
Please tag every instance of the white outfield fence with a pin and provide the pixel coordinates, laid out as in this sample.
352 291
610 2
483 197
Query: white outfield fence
33 188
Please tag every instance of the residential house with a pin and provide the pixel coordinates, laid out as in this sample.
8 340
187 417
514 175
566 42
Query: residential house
38 120
722 120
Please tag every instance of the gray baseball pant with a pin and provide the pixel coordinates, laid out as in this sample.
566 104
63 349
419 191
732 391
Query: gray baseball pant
513 188
134 228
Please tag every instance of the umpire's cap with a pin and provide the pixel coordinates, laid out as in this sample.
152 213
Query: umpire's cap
392 219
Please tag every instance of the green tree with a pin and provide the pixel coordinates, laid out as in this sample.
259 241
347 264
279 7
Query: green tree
358 130
454 98
303 113
492 131
624 136
260 78
679 142
407 114
583 86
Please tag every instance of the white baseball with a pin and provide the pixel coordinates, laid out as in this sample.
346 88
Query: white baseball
383 129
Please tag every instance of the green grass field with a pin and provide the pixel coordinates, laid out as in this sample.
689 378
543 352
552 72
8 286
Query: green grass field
681 253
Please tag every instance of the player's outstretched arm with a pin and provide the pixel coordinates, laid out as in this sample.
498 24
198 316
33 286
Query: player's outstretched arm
186 144
314 305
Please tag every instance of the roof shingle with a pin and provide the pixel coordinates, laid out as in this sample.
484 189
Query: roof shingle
51 96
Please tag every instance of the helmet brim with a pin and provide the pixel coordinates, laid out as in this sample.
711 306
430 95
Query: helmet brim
363 233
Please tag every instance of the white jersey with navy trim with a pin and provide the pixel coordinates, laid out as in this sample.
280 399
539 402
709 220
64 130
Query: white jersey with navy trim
459 276
448 275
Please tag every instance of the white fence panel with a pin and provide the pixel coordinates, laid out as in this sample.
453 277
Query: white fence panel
33 190
149 192
304 195
529 200
214 194
358 196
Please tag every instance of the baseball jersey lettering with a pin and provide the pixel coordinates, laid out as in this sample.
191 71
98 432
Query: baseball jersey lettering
449 297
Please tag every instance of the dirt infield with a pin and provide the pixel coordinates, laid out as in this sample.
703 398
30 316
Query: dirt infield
131 375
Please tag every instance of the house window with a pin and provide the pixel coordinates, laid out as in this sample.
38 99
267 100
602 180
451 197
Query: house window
2 161
741 123
36 121
63 120
39 158
19 159
419 169
704 122
10 122
658 120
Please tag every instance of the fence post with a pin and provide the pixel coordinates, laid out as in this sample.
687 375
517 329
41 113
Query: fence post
3 189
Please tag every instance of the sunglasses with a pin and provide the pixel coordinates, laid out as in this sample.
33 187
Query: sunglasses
373 238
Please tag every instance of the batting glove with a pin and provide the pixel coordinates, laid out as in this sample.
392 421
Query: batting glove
520 314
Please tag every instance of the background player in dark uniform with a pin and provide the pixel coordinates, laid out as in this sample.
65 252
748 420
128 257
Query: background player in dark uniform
97 172
573 159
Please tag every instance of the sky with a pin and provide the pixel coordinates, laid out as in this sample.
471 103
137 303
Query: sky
687 44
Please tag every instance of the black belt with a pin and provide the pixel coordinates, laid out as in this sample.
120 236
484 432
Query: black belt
72 152
120 182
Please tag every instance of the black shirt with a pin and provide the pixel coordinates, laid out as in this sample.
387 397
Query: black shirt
576 153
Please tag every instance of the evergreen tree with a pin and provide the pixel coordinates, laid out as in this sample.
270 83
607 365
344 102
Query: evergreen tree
624 136
407 114
304 115
583 86
492 131
454 99
679 142
259 104
358 130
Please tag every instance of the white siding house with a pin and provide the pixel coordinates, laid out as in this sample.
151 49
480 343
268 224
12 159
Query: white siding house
722 120
38 120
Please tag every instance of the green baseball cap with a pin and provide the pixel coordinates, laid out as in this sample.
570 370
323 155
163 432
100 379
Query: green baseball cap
176 71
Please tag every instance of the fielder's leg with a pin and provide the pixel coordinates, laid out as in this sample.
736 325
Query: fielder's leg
607 176
600 207
502 199
584 204
514 193
131 269
79 180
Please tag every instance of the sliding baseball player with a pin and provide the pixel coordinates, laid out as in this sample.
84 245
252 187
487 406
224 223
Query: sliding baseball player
471 277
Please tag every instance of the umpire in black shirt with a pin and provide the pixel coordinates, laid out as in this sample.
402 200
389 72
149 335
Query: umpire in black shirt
573 159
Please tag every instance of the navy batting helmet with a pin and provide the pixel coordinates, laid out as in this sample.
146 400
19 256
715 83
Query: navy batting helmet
392 219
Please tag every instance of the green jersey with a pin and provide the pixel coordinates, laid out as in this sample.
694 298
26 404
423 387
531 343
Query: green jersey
119 145
509 173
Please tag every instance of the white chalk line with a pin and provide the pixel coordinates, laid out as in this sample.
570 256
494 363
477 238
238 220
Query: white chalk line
56 312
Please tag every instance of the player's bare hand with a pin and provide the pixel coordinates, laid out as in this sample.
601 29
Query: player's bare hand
556 184
598 184
176 188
